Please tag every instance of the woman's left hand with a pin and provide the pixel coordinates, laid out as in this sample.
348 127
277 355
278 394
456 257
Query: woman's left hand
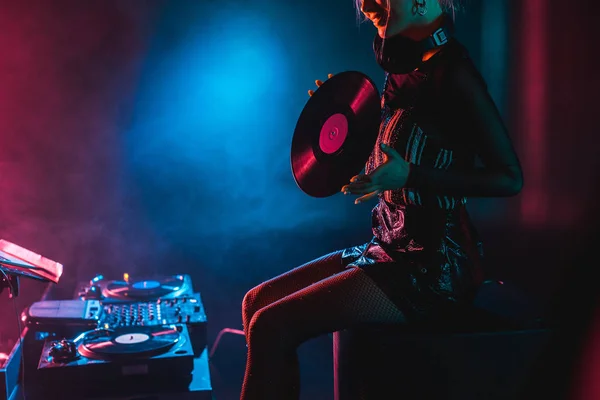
390 175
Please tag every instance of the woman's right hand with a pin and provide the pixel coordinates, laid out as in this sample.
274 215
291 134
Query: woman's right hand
319 83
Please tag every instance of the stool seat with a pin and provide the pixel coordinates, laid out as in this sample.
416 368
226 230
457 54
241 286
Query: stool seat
462 352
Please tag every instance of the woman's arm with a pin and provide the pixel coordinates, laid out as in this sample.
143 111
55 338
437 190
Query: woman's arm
501 173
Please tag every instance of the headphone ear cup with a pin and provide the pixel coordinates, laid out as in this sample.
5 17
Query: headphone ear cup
400 55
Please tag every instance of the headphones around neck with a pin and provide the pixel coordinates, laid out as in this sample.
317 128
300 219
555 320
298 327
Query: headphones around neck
400 55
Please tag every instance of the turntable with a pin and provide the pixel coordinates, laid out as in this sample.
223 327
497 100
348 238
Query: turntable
132 357
128 290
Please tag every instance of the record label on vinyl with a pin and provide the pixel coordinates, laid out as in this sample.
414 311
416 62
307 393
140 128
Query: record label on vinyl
335 133
132 338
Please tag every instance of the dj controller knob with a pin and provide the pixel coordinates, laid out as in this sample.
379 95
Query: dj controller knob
63 351
94 292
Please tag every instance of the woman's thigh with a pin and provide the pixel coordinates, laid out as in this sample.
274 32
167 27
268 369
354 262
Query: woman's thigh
344 300
289 282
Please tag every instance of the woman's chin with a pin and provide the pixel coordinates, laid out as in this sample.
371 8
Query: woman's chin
381 29
383 32
388 31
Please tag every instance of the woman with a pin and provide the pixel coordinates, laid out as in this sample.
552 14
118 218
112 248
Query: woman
437 117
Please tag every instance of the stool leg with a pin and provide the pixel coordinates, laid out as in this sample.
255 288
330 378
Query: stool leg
336 378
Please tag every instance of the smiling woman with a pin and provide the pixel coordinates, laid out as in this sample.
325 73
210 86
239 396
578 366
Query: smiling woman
385 6
437 117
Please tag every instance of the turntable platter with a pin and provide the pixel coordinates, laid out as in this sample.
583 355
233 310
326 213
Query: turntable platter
129 342
142 290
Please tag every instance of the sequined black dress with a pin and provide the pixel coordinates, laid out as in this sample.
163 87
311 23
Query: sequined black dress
439 118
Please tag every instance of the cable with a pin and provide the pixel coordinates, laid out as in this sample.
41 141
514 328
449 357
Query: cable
218 339
15 307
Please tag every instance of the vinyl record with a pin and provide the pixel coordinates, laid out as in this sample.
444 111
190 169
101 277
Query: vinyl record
144 289
129 342
335 133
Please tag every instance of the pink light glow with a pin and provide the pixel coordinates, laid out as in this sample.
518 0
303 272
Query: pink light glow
362 97
587 384
305 163
534 201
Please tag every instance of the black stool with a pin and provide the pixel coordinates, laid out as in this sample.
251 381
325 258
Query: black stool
484 356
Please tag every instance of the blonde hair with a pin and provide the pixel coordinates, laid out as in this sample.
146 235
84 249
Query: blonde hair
449 6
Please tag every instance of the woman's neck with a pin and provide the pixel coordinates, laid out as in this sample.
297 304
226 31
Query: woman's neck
423 31
416 32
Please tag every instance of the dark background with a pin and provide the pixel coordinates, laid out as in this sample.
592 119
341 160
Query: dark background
153 137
